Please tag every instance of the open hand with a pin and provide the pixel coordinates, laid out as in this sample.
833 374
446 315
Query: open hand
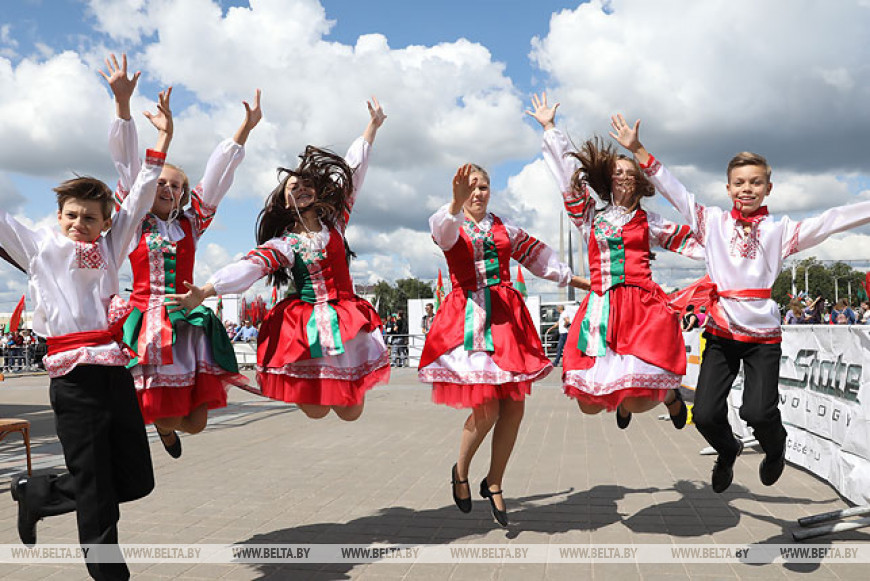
122 86
376 112
463 185
543 114
187 301
254 114
162 120
625 134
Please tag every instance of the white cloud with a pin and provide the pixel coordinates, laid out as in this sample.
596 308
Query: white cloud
10 198
713 78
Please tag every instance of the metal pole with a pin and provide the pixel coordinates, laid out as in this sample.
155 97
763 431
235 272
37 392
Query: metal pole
793 275
833 515
802 534
571 289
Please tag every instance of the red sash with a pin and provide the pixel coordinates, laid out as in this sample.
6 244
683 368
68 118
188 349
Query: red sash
70 341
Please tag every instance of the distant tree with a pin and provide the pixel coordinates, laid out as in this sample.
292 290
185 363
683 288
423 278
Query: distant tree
389 298
821 280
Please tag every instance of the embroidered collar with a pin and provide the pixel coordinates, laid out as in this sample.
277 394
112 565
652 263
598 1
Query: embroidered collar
753 218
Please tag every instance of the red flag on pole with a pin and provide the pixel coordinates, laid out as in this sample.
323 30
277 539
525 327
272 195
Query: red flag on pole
439 291
15 319
521 282
274 297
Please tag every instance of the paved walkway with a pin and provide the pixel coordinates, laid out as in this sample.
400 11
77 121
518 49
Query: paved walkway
264 473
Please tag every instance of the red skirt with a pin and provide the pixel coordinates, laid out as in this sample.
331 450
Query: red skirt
167 402
286 370
640 323
517 361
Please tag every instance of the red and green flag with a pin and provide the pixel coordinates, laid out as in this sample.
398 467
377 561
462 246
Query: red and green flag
15 320
219 310
521 282
274 297
864 290
439 291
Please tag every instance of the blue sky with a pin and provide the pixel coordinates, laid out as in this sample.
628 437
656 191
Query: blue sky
785 78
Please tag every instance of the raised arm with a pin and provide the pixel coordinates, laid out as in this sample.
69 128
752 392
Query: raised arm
357 156
580 205
123 139
807 233
220 170
128 218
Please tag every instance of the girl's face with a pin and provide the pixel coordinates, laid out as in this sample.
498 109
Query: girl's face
300 192
170 188
624 183
479 200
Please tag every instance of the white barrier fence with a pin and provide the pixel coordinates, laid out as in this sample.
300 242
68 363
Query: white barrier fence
824 397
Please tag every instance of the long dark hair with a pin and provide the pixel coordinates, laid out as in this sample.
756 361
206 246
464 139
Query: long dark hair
332 180
597 164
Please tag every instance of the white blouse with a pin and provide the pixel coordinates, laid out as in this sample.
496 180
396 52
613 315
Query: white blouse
214 185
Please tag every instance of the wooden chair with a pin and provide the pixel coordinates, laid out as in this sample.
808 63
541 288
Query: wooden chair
8 426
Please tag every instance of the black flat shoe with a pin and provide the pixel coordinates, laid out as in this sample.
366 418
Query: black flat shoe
173 449
723 470
622 421
464 504
500 516
26 519
679 420
771 469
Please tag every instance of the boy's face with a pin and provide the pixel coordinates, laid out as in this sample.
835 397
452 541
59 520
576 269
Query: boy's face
747 187
82 220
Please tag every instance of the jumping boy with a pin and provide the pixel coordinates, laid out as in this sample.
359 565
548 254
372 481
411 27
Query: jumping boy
744 250
73 277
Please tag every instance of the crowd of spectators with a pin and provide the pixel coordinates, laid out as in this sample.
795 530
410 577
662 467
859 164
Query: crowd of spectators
21 351
822 312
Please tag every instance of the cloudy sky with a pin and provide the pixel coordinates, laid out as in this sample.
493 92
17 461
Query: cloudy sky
786 78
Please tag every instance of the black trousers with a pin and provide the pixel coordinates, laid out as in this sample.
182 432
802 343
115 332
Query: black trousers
105 446
760 410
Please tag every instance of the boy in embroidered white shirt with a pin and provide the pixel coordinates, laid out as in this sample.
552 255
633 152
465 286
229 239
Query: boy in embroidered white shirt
73 277
744 250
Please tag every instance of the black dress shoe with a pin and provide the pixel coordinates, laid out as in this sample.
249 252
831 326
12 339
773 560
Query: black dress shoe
723 469
464 504
679 420
173 449
500 516
771 469
26 519
622 421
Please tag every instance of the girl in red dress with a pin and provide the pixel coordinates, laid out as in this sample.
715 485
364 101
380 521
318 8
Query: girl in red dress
625 349
483 351
184 362
321 348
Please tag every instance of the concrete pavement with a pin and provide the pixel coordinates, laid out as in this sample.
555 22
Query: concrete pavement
264 473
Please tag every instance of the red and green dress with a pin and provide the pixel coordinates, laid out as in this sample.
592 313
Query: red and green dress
183 360
483 344
624 341
322 345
